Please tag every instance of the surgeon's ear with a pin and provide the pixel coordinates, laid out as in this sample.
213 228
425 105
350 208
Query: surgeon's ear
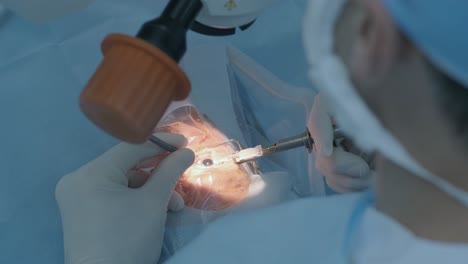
377 46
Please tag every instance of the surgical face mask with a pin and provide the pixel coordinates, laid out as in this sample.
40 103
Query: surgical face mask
330 76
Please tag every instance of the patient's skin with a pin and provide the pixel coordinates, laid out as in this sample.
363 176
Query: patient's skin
205 185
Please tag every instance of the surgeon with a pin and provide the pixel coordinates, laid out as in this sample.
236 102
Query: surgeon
394 75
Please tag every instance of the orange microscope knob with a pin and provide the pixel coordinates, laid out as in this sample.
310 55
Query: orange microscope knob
132 87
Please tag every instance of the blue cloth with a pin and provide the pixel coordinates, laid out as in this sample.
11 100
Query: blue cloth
311 230
44 136
438 28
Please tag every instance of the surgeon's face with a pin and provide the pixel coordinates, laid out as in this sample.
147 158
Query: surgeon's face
392 76
351 36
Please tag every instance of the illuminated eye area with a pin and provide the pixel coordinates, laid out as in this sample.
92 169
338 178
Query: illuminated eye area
214 182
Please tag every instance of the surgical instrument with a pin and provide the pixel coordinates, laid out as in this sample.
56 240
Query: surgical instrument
301 140
164 145
139 76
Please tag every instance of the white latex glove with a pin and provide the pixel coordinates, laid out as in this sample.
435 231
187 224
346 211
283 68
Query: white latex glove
343 171
103 220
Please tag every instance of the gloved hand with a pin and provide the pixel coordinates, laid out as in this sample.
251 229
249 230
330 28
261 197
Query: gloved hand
103 220
343 171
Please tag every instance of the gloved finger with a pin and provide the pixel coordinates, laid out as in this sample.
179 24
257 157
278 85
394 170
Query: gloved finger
344 184
164 178
338 188
321 127
344 171
137 178
347 163
124 156
342 162
138 175
176 202
176 140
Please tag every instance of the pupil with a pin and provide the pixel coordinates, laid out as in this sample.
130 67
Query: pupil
208 162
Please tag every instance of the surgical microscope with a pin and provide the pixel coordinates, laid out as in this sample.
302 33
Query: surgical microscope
139 76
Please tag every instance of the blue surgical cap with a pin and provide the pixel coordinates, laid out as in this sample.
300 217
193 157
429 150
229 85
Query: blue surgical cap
439 29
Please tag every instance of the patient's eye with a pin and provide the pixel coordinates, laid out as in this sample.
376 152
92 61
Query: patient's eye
208 162
215 181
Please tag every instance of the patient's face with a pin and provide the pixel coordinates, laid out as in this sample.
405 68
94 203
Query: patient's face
208 184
